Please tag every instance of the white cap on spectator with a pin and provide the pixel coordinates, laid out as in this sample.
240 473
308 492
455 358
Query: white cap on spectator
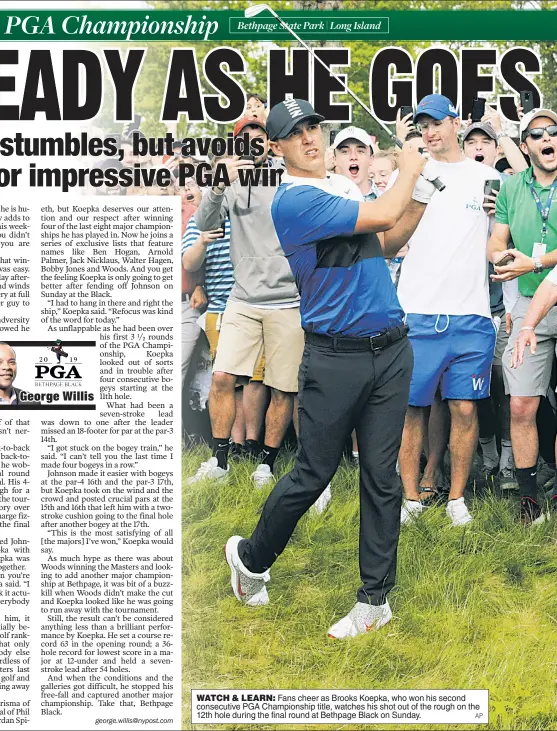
534 114
352 133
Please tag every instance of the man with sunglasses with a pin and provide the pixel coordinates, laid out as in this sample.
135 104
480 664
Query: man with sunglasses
525 212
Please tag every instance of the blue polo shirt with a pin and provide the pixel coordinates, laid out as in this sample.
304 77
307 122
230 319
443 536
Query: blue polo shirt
343 279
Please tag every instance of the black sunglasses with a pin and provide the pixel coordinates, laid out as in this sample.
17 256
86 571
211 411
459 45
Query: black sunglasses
537 132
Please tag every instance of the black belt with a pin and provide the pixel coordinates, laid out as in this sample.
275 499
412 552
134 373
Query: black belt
345 345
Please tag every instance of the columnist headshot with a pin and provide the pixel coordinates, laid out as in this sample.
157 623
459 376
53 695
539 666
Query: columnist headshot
8 372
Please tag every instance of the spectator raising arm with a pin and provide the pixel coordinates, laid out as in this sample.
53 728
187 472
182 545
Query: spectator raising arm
214 206
193 258
510 149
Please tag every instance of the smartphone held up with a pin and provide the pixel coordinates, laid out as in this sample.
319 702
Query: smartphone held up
491 190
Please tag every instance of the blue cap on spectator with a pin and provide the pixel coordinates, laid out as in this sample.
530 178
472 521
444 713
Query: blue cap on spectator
436 106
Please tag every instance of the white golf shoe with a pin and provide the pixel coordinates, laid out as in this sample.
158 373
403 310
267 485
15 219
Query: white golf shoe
248 588
262 476
458 512
209 470
360 619
410 510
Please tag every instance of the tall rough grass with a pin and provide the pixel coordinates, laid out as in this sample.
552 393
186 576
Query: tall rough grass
475 607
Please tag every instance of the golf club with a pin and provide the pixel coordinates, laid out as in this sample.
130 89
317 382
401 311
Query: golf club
254 10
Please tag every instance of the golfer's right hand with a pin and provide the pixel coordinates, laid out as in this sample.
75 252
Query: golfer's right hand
410 160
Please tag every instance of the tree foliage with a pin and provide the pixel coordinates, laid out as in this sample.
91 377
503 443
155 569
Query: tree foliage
151 82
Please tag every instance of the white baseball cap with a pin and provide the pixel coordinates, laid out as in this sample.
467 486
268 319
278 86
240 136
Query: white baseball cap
352 133
534 114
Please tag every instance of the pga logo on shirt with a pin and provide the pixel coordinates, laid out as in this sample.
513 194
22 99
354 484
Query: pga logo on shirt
474 204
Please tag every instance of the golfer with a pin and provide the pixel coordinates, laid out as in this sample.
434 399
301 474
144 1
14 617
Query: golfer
357 362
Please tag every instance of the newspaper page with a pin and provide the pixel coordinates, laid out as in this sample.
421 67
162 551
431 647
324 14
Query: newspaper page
196 259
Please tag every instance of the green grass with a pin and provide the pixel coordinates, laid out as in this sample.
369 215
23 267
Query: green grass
475 607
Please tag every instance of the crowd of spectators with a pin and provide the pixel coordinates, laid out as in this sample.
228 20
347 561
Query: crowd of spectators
470 402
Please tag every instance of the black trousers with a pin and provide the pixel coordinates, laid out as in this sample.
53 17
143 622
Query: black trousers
340 391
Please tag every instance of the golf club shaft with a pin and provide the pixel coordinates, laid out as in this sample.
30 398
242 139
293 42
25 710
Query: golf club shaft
437 182
332 73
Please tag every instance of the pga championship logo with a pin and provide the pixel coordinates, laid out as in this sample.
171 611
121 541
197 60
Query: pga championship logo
61 370
57 372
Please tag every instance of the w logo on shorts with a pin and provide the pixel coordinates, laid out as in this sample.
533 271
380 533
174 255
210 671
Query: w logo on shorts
477 383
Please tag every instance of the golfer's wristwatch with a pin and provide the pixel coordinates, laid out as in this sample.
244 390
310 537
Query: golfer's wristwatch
538 266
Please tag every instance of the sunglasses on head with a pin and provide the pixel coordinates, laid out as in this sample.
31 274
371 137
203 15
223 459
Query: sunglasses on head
537 132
